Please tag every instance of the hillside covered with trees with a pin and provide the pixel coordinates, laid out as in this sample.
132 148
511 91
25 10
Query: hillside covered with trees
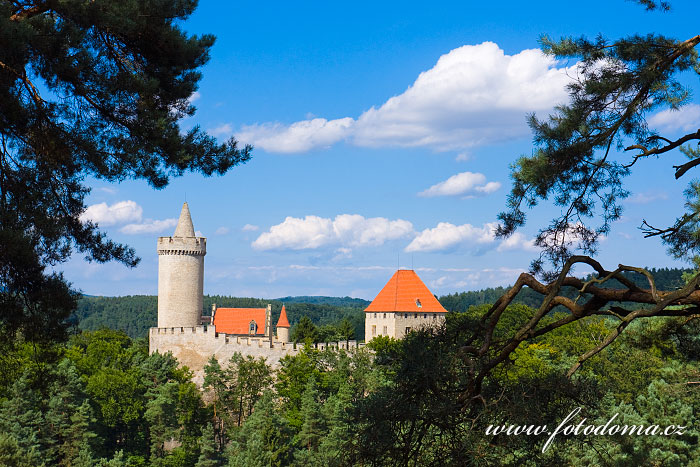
135 314
102 400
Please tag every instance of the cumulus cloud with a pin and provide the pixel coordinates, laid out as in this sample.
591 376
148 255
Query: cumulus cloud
346 230
467 184
448 237
250 228
222 231
687 118
125 212
517 241
474 95
117 213
149 226
297 137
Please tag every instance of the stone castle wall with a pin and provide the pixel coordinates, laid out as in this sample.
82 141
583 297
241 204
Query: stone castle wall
193 346
394 324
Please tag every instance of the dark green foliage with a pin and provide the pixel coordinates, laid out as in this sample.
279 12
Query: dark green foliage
234 390
345 302
665 279
87 89
135 314
305 331
131 314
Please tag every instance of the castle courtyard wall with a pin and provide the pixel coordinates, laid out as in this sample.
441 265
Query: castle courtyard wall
394 324
194 346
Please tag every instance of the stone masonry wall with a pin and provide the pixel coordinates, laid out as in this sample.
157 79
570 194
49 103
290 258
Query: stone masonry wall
194 346
396 323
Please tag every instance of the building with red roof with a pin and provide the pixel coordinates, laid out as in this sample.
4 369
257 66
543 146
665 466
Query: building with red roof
241 321
405 303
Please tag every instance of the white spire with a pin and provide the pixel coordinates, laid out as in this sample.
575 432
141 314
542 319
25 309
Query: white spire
184 225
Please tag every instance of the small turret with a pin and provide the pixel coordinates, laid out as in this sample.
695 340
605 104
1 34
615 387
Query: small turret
283 326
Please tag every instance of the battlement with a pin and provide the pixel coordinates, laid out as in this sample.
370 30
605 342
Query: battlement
209 331
193 346
195 246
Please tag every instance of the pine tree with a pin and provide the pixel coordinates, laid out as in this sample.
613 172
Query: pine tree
88 89
209 455
313 427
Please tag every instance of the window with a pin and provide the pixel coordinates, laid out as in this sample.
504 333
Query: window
374 329
418 303
408 329
434 315
384 315
384 331
252 327
425 316
405 315
375 315
415 315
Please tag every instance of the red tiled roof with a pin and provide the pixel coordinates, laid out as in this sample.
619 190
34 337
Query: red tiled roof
404 292
237 320
283 322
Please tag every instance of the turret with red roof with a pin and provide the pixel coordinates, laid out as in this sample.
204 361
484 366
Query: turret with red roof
283 326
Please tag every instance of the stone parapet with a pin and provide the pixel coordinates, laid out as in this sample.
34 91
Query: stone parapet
193 346
196 246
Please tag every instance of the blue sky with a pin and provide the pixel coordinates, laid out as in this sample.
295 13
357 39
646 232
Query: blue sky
383 136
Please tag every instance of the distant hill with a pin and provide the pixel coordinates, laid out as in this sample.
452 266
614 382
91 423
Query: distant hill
334 301
135 314
665 278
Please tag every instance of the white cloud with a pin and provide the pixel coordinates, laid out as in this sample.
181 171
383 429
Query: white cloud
108 190
195 95
222 231
346 230
126 212
474 95
297 137
224 130
117 213
517 241
647 197
250 228
448 237
687 118
342 253
463 184
149 226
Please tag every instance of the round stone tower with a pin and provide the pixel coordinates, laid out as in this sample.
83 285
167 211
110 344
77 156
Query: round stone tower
181 275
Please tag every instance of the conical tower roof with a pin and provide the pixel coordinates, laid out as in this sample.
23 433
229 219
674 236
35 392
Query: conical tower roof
283 322
405 292
184 225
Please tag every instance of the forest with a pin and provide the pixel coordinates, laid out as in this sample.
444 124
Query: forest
101 399
135 314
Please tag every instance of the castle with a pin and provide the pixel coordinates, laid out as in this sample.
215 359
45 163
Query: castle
403 304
